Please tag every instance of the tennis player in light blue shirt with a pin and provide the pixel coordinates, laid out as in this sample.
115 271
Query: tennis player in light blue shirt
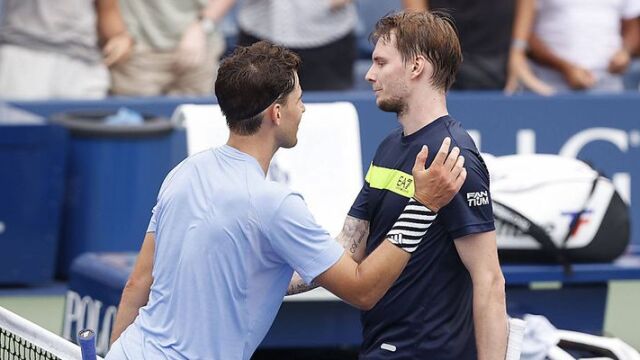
223 241
232 239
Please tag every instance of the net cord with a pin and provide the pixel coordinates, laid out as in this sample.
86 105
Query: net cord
35 334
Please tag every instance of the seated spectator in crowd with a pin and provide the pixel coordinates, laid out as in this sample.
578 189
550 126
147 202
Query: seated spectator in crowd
321 32
584 44
177 47
484 28
487 29
59 49
520 76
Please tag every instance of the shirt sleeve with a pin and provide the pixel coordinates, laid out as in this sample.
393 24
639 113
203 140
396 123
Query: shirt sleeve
300 241
359 209
153 222
470 211
631 9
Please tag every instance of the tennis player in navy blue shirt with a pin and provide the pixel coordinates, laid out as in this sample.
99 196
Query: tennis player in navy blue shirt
449 301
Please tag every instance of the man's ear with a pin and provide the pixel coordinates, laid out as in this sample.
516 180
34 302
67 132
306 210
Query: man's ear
275 113
418 66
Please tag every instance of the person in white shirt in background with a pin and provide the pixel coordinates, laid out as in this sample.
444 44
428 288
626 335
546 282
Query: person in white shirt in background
584 44
321 32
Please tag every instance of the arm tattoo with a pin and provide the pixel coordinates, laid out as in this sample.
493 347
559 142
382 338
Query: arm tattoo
298 286
353 238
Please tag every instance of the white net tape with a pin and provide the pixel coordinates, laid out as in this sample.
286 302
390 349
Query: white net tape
21 339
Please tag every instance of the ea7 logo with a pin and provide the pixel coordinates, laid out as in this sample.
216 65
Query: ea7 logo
478 198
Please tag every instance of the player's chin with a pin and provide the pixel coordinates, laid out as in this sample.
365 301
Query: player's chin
388 105
289 144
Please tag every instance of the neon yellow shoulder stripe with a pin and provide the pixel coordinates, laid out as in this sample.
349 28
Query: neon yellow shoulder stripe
393 180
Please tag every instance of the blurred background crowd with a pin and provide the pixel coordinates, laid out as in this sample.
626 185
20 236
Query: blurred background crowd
80 49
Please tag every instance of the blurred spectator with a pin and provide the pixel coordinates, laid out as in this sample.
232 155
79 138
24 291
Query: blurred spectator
320 31
484 28
519 73
632 76
50 49
585 44
487 30
177 47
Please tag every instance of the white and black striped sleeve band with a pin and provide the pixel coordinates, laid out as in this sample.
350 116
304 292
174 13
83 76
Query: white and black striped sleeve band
411 226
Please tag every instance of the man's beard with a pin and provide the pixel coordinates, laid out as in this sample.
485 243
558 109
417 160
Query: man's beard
288 143
395 105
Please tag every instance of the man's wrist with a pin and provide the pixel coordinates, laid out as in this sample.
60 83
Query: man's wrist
565 67
428 204
519 44
208 24
411 226
628 48
125 35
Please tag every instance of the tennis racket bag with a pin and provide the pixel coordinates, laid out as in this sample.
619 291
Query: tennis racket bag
549 208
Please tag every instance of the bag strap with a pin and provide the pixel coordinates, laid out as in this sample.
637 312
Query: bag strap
576 219
511 216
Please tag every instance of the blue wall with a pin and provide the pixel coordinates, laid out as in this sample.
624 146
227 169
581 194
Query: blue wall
602 130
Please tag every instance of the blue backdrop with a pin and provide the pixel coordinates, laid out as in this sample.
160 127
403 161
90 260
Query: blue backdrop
603 130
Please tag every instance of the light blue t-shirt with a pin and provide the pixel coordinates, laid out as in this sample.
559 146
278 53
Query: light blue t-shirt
226 244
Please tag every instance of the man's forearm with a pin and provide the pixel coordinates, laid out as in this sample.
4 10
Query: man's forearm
132 300
136 292
523 22
490 320
353 238
362 285
420 5
631 36
217 9
110 22
297 285
541 53
367 281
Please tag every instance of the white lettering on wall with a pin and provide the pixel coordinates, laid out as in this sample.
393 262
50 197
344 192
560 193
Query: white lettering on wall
84 313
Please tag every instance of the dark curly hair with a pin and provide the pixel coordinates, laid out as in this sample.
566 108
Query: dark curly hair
251 79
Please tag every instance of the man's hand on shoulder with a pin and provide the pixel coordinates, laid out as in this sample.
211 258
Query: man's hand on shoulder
438 184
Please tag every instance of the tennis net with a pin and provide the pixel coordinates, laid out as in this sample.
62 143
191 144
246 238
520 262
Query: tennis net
21 339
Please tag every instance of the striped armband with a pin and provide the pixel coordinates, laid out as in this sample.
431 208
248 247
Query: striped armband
411 226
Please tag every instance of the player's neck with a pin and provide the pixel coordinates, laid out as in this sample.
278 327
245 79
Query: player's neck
257 147
422 109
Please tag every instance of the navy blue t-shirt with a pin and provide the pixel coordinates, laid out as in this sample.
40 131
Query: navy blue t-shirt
427 313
